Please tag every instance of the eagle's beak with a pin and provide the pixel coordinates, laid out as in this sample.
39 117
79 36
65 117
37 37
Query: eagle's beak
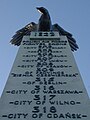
39 10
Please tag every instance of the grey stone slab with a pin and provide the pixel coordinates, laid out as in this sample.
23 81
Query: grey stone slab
44 82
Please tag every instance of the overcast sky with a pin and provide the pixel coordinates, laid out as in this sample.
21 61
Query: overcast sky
72 15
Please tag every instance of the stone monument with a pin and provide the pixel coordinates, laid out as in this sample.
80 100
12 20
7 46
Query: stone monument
44 82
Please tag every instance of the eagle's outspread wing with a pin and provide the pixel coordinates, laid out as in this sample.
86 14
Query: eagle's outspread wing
17 38
71 40
44 24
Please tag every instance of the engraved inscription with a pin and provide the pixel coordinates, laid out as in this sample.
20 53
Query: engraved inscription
45 82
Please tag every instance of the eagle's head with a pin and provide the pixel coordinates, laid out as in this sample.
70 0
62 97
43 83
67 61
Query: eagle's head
42 10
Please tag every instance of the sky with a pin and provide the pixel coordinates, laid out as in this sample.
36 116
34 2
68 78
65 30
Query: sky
72 15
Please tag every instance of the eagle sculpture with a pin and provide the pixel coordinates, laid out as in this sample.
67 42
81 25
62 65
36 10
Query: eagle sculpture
44 24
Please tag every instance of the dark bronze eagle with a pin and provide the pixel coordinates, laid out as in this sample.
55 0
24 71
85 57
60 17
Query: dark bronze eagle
44 24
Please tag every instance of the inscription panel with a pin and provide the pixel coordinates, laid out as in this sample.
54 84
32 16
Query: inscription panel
44 82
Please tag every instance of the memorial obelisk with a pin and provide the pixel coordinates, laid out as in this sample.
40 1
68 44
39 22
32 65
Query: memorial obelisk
44 82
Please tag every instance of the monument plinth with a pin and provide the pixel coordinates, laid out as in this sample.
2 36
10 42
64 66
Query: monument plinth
44 82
